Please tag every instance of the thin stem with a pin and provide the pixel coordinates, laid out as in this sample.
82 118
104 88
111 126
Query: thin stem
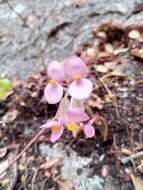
24 150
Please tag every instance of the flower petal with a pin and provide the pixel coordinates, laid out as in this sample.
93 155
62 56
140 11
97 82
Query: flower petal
74 66
49 124
89 131
80 89
56 71
56 135
53 94
77 115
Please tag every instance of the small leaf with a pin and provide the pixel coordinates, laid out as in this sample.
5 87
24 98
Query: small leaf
5 88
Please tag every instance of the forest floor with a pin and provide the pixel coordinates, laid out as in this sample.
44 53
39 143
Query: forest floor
110 161
115 63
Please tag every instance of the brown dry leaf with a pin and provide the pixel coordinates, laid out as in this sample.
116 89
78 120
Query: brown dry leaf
108 99
134 34
66 185
105 133
101 68
99 103
103 126
96 102
121 51
104 171
5 182
51 163
117 73
126 151
3 152
11 115
110 65
17 84
109 48
91 51
137 182
137 53
114 73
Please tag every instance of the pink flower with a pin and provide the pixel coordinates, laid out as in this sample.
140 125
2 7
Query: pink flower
80 88
74 66
77 115
53 92
56 71
74 117
75 69
89 130
56 128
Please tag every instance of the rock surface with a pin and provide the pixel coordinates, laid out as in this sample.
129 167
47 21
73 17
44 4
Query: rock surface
56 29
76 170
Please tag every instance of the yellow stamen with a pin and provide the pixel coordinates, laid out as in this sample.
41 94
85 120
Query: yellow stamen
72 127
56 129
77 77
52 82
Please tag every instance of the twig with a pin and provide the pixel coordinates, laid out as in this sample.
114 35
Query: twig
14 176
131 157
134 165
40 51
24 150
21 18
34 178
43 184
141 136
110 95
105 132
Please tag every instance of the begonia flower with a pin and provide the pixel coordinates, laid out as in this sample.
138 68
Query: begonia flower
75 69
77 115
74 117
53 92
89 131
74 66
56 127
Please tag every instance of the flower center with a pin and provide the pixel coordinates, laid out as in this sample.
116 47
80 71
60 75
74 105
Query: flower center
77 77
72 126
52 82
56 129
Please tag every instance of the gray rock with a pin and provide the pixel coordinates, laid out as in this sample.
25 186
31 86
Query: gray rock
76 170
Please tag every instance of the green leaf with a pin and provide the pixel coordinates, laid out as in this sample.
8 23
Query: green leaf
5 88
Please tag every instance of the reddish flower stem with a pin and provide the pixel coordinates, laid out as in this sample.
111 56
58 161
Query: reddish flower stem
24 150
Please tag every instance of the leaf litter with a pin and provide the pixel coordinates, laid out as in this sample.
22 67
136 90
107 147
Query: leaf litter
115 62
